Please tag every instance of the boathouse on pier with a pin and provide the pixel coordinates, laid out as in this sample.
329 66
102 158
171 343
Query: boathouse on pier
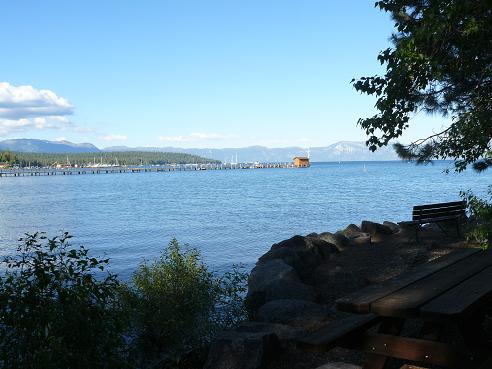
301 162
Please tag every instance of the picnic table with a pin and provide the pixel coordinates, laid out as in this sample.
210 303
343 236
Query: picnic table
444 302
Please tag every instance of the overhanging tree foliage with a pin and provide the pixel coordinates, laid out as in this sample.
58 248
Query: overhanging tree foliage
440 62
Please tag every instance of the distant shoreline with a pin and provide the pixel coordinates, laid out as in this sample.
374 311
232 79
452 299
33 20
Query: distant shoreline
86 170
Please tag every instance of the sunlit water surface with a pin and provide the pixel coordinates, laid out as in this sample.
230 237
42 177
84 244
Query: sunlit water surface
231 216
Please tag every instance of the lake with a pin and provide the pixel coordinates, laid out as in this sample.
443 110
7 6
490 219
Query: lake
231 216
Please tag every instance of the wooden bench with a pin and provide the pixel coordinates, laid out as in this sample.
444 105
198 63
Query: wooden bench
437 213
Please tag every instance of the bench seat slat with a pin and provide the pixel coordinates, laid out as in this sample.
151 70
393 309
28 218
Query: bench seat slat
432 220
360 301
433 210
438 213
444 204
433 213
406 301
462 299
425 220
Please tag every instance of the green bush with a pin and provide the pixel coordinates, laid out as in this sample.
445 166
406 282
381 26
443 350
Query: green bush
177 306
60 308
230 307
480 212
54 313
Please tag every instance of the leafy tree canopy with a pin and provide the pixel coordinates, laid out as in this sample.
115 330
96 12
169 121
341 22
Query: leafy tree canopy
440 62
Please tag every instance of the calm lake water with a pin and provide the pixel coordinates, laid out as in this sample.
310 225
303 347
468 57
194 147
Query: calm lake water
231 216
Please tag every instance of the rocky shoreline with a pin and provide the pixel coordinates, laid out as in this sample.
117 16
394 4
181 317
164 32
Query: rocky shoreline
293 287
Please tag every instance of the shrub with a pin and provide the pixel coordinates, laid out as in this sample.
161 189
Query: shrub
60 308
54 313
178 306
480 212
230 307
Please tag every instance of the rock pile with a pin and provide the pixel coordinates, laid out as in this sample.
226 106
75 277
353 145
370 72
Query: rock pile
290 291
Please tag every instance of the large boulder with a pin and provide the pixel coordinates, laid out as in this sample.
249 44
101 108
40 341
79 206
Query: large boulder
395 228
248 346
241 351
287 255
326 250
375 228
408 228
337 239
293 312
301 253
282 289
355 236
363 239
352 230
296 243
262 276
264 273
285 333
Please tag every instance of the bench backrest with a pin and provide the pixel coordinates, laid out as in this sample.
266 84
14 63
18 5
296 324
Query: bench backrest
433 211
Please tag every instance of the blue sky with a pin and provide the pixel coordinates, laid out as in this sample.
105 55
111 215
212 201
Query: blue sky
201 73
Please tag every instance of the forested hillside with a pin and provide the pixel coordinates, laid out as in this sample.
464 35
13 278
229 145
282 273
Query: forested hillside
24 159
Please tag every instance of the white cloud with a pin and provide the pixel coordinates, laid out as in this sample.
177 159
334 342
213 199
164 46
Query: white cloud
172 138
196 136
113 137
25 108
83 129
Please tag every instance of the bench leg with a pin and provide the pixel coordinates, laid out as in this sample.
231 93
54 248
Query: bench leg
474 334
388 326
417 350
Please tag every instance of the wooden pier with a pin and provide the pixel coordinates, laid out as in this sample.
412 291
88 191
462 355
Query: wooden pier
24 172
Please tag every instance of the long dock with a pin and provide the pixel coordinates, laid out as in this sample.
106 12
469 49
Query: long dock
53 171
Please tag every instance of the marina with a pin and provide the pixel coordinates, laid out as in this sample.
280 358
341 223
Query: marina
113 169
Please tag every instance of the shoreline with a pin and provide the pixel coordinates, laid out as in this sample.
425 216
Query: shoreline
138 169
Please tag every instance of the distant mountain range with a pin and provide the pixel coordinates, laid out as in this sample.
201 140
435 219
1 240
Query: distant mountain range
340 151
39 146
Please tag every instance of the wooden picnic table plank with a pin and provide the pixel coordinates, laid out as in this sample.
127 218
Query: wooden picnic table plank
461 300
416 350
360 302
330 335
406 301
